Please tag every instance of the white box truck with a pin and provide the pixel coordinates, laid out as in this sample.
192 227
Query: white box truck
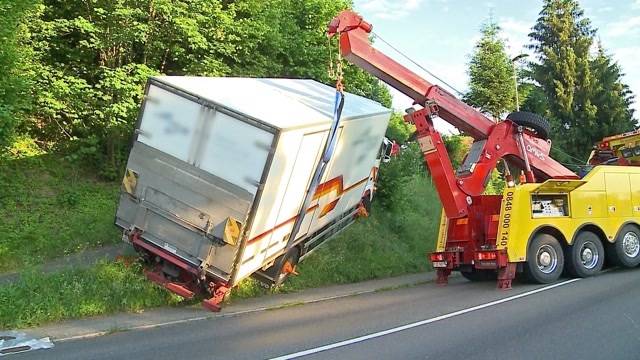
219 169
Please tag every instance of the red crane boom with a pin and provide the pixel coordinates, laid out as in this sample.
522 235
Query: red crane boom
494 141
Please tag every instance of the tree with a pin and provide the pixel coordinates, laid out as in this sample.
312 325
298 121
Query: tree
561 38
14 63
612 98
491 85
585 97
95 56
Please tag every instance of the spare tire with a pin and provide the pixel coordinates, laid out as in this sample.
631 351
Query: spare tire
532 121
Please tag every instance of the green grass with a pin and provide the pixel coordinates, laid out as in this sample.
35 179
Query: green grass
50 208
105 288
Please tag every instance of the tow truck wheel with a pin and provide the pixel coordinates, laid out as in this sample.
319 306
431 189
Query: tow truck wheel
625 251
586 255
545 259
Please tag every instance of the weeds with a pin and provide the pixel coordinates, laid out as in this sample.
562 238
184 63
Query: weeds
51 208
108 287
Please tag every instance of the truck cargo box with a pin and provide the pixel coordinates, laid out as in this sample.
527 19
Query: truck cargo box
219 169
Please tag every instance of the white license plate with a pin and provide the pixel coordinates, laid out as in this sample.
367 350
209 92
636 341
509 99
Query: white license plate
437 264
170 248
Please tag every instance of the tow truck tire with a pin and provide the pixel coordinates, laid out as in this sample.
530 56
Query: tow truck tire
625 251
545 260
479 275
532 121
585 256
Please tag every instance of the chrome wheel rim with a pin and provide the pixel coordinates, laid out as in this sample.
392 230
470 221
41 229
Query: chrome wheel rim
589 255
547 259
631 244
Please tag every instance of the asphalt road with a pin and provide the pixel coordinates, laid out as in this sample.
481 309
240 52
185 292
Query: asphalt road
595 318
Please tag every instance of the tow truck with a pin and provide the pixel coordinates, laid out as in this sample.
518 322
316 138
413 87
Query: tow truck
621 149
548 221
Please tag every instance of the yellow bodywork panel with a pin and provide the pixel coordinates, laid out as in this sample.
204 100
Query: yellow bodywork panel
442 232
559 186
231 231
608 197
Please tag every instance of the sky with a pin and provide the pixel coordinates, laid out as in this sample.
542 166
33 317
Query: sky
440 34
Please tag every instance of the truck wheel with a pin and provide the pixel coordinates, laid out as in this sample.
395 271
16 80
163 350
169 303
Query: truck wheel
545 260
479 275
288 264
532 121
366 202
625 251
586 255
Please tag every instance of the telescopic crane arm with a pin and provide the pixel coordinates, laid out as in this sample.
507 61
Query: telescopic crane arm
355 47
493 141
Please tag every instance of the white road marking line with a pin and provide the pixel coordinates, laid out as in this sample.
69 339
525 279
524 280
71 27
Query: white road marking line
418 323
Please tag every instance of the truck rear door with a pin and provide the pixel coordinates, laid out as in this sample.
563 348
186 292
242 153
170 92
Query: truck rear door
195 166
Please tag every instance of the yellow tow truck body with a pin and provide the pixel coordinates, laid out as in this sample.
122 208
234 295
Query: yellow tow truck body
602 202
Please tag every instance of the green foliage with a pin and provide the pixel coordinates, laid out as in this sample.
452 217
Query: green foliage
91 60
585 97
534 99
395 174
398 129
491 86
496 183
51 208
106 288
612 98
14 62
21 147
457 146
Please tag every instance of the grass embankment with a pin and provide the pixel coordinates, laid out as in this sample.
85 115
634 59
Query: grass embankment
51 208
102 289
392 241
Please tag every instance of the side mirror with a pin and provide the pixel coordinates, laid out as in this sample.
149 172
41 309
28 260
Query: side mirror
386 159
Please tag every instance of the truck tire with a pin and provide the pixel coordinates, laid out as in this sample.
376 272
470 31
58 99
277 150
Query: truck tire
366 203
625 250
479 275
545 260
291 257
586 256
532 121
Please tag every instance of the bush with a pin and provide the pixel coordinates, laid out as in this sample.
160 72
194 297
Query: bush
398 130
396 173
14 62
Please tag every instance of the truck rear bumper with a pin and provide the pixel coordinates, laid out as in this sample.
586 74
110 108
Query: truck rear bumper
453 259
186 280
445 262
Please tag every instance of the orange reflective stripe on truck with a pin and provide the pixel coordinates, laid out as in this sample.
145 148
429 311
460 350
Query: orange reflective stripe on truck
323 189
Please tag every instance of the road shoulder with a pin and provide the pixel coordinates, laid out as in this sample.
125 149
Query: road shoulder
98 326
